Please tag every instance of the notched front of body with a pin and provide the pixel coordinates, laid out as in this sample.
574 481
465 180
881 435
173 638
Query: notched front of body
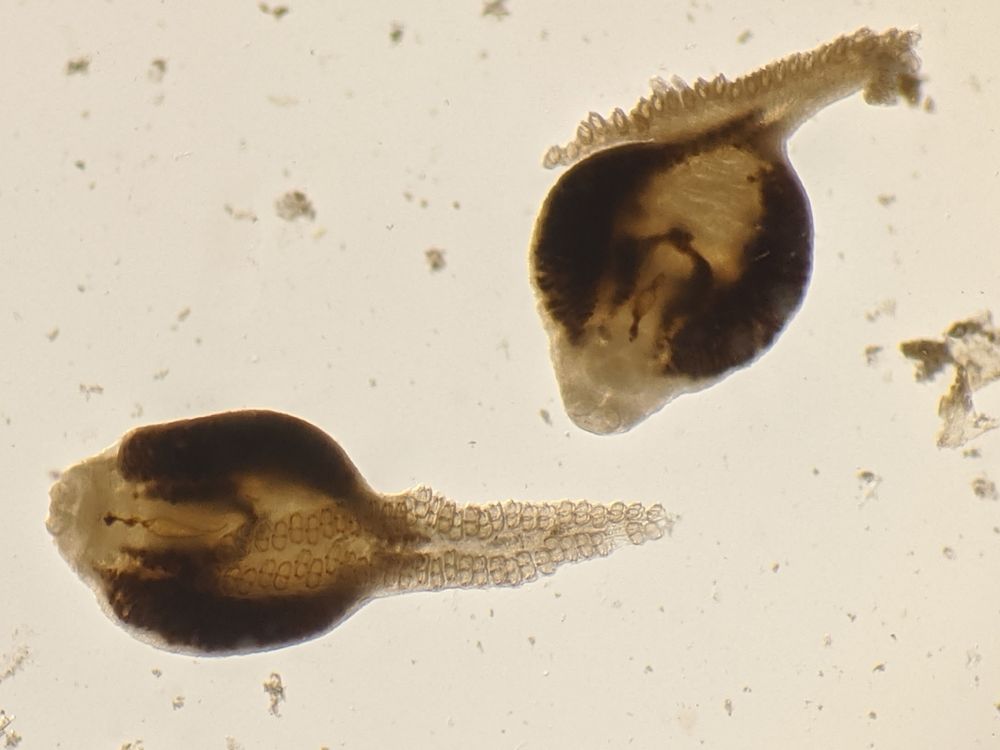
679 243
251 530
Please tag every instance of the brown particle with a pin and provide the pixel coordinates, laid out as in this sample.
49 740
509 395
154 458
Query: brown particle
871 354
546 417
949 553
868 482
278 11
396 32
744 36
495 8
11 662
89 390
960 420
53 334
293 205
275 691
972 346
435 258
78 66
157 69
886 199
985 488
10 737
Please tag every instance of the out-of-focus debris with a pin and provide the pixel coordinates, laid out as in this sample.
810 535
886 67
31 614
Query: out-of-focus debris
985 488
278 11
78 66
275 691
872 353
241 214
961 421
435 258
157 69
973 347
495 8
868 482
11 662
885 308
293 205
89 390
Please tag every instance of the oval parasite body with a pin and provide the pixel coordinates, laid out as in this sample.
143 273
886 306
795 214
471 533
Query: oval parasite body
251 530
679 243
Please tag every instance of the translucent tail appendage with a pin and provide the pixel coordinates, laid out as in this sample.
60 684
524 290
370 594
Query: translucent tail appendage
506 544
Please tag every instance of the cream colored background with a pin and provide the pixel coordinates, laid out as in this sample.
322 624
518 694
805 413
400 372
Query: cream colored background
439 378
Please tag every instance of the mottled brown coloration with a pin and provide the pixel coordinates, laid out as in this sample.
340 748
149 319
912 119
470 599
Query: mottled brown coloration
972 347
252 530
679 243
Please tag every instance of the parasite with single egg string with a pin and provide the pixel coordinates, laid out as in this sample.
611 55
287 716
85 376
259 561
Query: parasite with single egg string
679 243
251 530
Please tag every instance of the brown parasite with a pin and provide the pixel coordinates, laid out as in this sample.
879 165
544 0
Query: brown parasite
679 243
252 530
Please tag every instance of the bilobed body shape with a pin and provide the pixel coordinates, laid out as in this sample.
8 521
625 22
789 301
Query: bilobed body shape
249 530
679 243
